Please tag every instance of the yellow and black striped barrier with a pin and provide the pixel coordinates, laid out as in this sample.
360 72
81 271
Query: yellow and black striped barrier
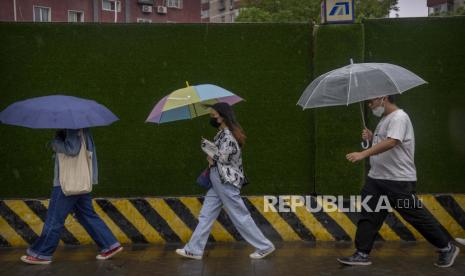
173 219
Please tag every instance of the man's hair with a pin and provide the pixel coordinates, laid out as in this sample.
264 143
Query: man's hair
391 98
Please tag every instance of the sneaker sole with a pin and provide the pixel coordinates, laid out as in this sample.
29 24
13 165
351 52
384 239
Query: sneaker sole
461 241
109 256
23 258
263 256
181 253
353 263
457 251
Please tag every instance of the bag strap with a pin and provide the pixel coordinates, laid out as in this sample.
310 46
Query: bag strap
83 143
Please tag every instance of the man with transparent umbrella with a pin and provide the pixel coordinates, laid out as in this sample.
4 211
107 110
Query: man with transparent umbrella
393 174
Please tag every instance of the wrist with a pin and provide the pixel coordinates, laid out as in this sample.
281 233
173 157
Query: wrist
366 153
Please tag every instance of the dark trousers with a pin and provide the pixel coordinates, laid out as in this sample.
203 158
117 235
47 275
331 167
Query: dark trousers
402 197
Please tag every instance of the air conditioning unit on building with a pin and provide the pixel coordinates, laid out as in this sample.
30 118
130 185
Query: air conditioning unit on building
162 9
147 8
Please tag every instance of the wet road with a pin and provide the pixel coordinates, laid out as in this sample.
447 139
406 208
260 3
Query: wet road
299 258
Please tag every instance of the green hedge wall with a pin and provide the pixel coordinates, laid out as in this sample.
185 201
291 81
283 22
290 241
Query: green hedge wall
289 151
434 49
129 68
337 129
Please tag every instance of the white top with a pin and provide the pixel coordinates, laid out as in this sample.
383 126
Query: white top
397 163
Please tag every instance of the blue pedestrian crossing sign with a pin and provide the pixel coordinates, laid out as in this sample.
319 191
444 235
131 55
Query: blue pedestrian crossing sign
337 11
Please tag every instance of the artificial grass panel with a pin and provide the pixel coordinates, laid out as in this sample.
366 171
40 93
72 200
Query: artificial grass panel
433 49
337 129
128 68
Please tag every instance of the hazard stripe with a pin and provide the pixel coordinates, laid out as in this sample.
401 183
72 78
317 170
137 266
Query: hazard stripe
284 229
264 225
399 228
159 220
294 222
453 208
138 221
22 210
10 234
117 232
338 233
340 218
39 209
173 221
185 214
126 226
155 220
447 223
4 242
17 223
313 225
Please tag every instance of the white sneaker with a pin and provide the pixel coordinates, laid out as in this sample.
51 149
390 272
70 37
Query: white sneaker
461 241
260 254
187 254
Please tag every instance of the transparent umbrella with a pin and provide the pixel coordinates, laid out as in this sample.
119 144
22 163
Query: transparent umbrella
358 82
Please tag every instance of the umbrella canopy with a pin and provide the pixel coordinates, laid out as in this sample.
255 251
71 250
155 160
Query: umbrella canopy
57 112
358 82
188 103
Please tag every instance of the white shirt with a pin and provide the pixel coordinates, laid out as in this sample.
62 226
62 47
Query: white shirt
397 163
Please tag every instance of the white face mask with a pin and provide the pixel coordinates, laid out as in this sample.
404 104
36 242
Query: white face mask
379 110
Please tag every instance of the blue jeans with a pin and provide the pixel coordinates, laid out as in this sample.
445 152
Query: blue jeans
59 208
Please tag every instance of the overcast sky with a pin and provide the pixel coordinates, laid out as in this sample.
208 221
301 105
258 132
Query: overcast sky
411 8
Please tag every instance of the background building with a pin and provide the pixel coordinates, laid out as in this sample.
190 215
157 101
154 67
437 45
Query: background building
220 11
436 7
127 11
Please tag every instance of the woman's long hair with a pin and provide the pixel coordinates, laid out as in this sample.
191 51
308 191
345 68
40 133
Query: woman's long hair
227 113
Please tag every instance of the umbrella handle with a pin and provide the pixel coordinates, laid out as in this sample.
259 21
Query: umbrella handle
365 144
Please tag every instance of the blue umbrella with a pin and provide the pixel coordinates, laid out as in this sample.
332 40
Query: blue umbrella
57 112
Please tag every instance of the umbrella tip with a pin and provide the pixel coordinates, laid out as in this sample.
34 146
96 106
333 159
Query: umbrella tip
187 84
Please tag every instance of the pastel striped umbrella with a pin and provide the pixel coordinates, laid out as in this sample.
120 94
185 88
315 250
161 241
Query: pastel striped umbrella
188 103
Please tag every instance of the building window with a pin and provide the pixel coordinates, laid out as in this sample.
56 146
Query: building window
75 16
204 13
221 5
143 20
174 4
109 5
42 14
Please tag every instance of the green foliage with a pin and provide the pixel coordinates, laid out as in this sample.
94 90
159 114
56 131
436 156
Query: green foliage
374 8
279 11
306 10
268 65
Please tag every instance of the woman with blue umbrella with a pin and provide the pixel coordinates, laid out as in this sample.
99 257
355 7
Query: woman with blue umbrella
75 168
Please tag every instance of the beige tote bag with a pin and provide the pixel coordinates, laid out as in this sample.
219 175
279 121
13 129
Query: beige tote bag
76 171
